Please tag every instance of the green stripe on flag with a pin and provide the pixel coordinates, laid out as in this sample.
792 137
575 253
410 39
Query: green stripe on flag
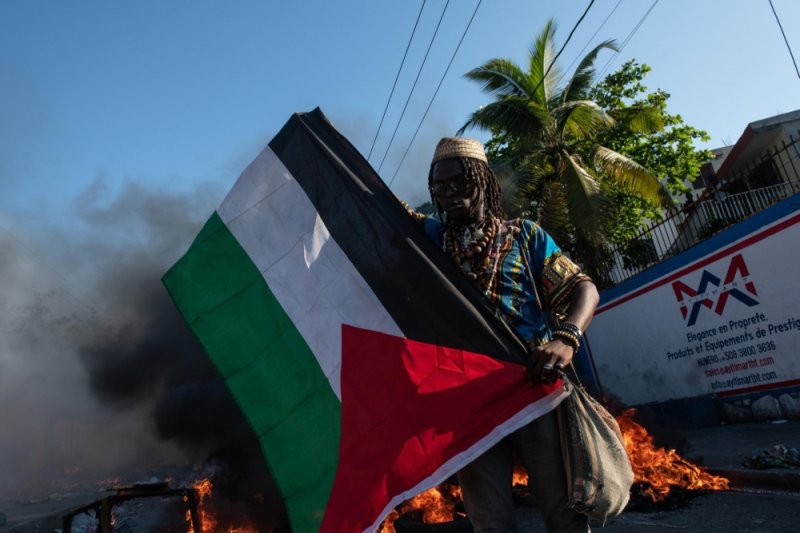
267 365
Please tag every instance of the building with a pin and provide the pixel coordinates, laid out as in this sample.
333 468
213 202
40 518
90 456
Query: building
707 327
760 169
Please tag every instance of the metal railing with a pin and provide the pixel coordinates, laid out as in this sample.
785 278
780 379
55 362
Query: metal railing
737 207
663 239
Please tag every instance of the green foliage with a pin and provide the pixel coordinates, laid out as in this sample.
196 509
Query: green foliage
550 133
712 227
638 253
592 164
647 133
627 211
656 139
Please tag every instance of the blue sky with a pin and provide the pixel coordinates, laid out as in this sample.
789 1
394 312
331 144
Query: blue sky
170 95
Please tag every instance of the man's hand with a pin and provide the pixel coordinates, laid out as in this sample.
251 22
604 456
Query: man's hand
549 359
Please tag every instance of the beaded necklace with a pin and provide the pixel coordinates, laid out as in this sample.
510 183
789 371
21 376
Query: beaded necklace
476 249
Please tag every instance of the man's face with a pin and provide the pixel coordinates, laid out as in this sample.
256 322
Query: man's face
462 201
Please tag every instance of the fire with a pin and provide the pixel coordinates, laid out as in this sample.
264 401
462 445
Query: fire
203 488
520 476
208 522
437 505
655 468
658 468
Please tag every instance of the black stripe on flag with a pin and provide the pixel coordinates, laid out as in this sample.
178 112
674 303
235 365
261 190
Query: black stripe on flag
426 295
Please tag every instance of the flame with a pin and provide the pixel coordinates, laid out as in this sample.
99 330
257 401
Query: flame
437 504
656 468
520 476
659 468
208 522
203 488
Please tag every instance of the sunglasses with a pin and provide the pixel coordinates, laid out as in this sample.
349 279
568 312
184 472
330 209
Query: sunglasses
458 186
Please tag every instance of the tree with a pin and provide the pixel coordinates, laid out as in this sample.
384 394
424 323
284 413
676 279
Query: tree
668 152
548 133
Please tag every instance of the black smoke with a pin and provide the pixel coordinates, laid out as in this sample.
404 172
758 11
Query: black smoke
140 359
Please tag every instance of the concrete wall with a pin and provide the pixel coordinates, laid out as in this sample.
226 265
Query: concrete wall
718 324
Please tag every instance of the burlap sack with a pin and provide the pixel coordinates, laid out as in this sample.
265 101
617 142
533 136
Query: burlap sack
599 474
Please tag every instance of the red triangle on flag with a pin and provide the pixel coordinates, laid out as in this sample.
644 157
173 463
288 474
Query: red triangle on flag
408 408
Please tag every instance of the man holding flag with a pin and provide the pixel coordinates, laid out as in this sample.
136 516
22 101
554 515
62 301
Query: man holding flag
512 262
369 367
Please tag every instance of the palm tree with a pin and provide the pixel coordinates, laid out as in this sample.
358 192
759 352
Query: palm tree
546 132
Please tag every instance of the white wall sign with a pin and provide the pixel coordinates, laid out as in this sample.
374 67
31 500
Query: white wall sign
727 322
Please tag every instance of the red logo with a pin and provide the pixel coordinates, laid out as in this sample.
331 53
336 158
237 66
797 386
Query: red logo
714 293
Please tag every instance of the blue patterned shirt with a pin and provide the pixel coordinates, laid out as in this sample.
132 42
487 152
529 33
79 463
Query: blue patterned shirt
512 289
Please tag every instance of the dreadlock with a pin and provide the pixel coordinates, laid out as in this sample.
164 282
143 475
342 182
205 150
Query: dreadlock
479 174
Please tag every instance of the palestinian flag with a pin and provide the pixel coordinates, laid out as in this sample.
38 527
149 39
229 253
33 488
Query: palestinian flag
369 367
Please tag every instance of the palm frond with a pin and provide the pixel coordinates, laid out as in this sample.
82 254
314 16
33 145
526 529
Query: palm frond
582 79
532 172
584 198
581 119
540 57
552 212
501 77
595 259
639 118
515 115
632 175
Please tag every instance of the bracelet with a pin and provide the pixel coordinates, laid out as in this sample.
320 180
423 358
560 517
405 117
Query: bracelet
568 336
572 328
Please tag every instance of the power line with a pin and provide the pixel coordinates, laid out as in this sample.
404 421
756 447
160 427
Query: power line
397 77
627 40
436 92
402 114
553 62
784 38
578 55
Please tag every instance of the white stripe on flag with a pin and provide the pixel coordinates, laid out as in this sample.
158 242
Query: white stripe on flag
317 285
451 467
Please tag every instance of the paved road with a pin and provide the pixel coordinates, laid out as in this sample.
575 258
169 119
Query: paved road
728 512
